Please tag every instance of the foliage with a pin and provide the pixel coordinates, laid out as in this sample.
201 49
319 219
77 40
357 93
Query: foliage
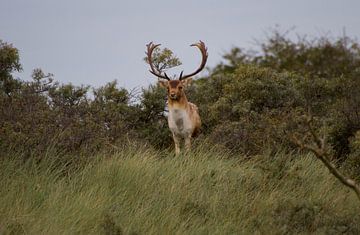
9 63
247 103
164 59
317 57
152 123
272 87
352 163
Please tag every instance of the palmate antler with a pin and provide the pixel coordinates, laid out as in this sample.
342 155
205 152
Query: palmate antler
150 48
204 54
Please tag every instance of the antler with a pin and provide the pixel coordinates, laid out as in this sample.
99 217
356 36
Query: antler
150 48
203 50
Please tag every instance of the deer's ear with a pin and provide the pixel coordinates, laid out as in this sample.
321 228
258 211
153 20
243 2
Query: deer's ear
163 83
186 82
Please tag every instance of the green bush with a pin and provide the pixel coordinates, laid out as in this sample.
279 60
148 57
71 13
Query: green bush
352 163
249 103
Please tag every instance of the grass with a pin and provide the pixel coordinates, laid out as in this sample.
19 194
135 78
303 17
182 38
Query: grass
154 192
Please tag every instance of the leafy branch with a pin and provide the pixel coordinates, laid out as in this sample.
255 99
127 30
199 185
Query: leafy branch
164 59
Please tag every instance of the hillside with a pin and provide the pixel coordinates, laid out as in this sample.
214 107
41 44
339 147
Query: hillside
154 192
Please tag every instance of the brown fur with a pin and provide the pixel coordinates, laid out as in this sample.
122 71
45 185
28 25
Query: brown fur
177 101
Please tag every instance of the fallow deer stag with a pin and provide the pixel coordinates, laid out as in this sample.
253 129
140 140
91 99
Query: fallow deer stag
183 119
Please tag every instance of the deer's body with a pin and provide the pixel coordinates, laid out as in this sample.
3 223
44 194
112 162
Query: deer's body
183 119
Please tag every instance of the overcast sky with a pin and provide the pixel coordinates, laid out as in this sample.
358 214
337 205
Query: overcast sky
94 42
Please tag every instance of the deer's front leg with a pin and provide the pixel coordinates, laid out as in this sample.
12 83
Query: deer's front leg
177 144
188 143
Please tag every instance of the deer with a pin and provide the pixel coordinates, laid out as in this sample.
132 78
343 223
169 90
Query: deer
183 119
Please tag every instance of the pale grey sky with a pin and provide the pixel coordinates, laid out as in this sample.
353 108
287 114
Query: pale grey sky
94 42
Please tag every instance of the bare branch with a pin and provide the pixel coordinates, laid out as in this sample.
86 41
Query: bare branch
321 152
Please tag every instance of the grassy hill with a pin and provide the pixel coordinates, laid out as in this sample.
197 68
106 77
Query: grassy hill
153 192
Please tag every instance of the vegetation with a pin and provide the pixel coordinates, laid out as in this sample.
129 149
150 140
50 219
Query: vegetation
153 192
79 159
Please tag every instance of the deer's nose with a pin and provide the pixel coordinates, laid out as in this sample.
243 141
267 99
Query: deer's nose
172 95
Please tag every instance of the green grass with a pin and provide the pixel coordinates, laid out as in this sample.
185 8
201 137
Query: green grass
149 192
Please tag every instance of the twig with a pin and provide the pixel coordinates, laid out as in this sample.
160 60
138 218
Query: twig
321 152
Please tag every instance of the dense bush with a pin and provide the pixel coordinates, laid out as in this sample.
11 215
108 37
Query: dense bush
248 103
352 163
251 105
263 94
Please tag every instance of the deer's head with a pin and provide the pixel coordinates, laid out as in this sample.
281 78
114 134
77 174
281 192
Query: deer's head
175 87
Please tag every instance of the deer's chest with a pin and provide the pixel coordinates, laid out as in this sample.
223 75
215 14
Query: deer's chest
179 122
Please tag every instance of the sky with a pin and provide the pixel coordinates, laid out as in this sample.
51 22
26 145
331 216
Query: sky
95 42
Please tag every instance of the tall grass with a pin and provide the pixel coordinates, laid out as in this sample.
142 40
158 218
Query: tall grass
154 192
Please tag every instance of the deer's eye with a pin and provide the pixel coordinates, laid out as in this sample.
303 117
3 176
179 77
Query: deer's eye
180 87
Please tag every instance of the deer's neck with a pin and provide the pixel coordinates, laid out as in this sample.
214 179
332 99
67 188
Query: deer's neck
180 103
